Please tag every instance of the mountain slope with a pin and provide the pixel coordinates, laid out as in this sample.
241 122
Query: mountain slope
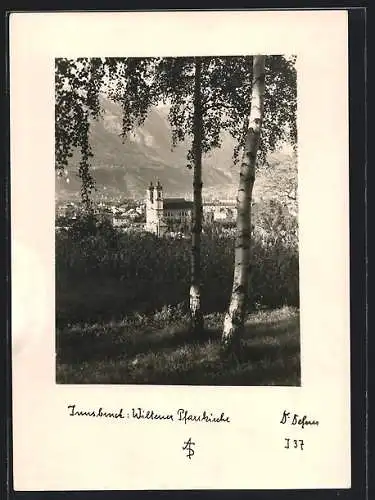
125 168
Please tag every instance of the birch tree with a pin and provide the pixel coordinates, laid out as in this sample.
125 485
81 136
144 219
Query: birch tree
136 84
179 83
234 318
196 313
207 95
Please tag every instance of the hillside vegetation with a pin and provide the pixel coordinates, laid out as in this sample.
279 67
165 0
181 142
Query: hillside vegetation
102 274
122 304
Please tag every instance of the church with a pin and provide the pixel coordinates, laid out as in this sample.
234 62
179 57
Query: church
166 214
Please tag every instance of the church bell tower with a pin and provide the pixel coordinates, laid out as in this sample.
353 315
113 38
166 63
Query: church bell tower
154 209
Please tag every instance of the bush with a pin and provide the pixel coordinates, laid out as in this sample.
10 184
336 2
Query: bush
103 274
275 256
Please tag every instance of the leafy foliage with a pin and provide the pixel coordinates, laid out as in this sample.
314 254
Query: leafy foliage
139 83
102 273
77 85
130 83
226 90
280 104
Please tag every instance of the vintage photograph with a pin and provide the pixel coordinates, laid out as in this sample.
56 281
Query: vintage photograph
176 226
180 250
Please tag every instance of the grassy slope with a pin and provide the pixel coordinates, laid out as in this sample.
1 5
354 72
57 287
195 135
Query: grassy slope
158 350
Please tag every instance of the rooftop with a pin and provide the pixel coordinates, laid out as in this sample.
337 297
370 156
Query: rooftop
177 203
218 203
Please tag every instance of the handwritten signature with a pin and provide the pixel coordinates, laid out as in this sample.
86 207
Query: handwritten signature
295 419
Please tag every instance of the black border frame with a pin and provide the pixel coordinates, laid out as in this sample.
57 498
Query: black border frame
358 274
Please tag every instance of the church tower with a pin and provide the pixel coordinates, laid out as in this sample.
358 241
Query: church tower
154 209
158 202
150 196
150 212
159 208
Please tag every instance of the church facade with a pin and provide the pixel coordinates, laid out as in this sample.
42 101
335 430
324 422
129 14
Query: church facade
166 214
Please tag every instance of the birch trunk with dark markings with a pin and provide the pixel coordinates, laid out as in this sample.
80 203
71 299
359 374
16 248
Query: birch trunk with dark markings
195 285
235 317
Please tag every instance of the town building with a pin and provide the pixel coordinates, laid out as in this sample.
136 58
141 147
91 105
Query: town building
219 211
166 214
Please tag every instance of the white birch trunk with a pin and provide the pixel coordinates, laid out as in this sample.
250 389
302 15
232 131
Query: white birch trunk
196 314
235 317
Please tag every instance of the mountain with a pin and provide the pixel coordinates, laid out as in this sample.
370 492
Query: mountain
125 168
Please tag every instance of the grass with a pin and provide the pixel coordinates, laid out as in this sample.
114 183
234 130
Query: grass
157 349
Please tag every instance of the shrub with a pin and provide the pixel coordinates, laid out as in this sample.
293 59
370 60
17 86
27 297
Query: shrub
103 274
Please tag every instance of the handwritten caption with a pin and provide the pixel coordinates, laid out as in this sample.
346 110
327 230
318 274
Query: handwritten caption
290 419
297 421
144 414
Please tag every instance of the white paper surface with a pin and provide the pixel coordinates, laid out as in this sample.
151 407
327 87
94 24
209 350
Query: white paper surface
53 451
